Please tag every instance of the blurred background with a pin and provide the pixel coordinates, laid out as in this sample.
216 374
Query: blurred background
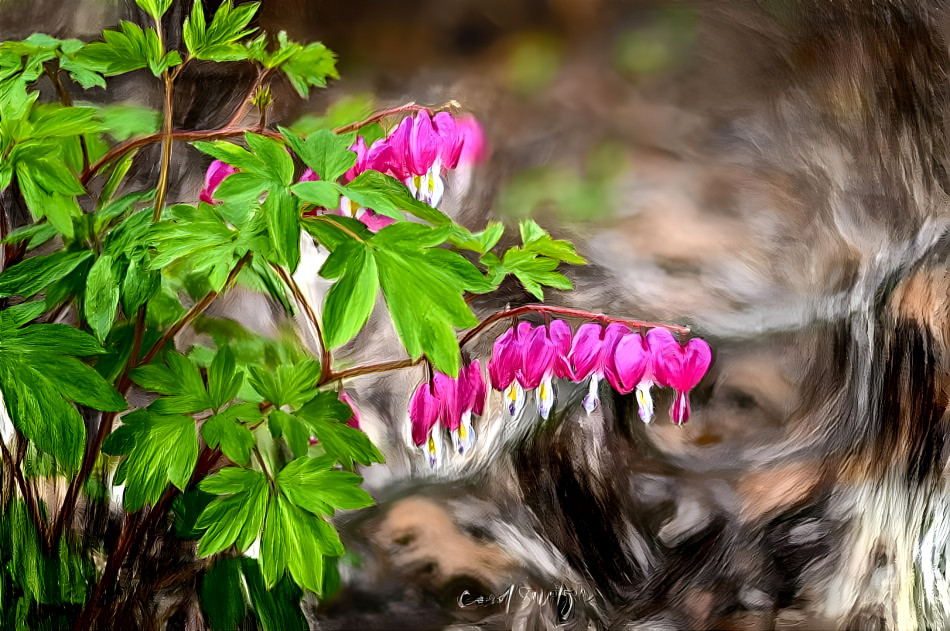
674 144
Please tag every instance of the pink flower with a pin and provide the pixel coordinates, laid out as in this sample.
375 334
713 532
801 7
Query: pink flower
354 420
586 359
308 176
448 403
679 366
559 332
424 411
450 137
474 146
213 178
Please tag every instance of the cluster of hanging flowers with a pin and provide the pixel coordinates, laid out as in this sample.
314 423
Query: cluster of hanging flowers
447 403
528 357
417 152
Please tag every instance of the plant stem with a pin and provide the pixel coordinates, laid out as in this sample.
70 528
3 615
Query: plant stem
378 116
166 148
359 371
248 98
26 491
228 131
195 311
565 311
64 518
325 357
132 531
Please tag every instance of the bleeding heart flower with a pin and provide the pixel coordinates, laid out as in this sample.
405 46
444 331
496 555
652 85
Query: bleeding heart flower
474 145
353 421
538 354
586 359
424 412
679 366
450 137
559 332
213 178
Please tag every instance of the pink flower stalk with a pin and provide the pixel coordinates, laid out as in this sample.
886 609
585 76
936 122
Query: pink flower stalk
679 366
354 420
424 412
213 178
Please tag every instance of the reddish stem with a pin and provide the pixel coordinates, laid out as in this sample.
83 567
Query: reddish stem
571 313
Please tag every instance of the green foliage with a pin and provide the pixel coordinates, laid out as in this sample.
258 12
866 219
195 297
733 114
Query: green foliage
260 412
130 48
534 263
305 66
40 374
158 448
219 41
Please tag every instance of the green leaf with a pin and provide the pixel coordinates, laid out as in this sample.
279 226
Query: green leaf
34 274
55 121
138 285
292 429
81 383
283 223
155 8
277 162
127 120
297 541
234 155
180 379
158 449
536 240
126 50
60 209
326 416
388 196
320 193
36 234
287 384
309 483
278 608
221 590
234 438
309 66
101 297
199 237
224 380
218 41
323 151
350 300
38 410
237 515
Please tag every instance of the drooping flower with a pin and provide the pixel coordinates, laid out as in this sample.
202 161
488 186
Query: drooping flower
559 332
450 137
538 353
213 178
586 359
679 366
459 400
474 146
503 368
354 420
424 412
